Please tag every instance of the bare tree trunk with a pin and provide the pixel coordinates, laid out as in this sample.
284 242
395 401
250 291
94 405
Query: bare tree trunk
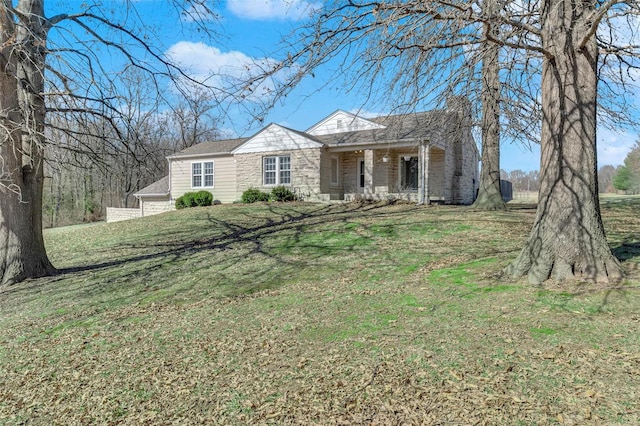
489 195
58 197
22 252
568 239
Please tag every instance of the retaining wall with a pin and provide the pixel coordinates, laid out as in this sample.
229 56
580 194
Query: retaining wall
115 214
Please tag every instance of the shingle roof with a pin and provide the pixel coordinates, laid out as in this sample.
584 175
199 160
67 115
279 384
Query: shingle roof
213 147
159 187
398 128
409 127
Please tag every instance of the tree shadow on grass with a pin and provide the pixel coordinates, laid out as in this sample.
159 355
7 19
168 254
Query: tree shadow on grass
215 257
627 251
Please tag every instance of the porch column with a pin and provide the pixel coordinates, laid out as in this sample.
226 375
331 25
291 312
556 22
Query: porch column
423 178
368 172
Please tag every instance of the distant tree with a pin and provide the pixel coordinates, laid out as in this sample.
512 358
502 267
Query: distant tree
195 119
627 177
622 179
605 178
632 161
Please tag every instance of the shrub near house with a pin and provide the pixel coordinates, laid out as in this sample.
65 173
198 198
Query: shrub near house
254 195
194 199
282 193
279 193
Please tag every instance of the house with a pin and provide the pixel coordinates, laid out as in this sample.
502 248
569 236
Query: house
419 157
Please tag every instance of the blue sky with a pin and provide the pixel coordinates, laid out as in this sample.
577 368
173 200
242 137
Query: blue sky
251 30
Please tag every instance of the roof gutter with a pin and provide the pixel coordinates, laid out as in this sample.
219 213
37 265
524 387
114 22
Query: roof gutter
212 154
138 196
169 186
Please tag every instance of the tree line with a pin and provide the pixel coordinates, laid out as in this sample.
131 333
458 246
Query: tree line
624 178
92 165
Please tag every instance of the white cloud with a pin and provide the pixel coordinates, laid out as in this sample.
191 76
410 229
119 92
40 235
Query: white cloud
613 147
264 10
231 73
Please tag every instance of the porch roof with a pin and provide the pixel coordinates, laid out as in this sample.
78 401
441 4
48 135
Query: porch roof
404 130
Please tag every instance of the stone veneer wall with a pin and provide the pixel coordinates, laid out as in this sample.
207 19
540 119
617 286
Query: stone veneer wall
115 214
467 182
305 172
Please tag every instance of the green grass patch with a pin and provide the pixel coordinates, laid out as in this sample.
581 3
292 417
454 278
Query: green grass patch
543 331
464 278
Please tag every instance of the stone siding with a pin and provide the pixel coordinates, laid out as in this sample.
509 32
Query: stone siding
305 172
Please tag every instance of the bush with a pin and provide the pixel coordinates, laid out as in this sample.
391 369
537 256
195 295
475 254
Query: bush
193 199
202 198
253 195
282 193
184 201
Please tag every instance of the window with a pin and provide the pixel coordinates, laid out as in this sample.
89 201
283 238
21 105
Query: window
334 169
285 170
408 173
276 170
202 175
361 173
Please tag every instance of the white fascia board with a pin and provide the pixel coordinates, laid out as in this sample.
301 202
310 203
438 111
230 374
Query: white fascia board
276 138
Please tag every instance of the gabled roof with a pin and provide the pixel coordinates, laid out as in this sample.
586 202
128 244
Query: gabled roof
157 188
275 137
397 128
339 120
402 128
210 148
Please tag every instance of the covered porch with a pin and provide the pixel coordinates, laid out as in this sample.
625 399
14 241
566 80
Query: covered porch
415 172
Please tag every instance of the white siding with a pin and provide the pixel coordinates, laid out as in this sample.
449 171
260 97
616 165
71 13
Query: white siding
224 179
276 138
341 121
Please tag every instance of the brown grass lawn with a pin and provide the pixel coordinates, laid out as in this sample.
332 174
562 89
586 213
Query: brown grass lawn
316 314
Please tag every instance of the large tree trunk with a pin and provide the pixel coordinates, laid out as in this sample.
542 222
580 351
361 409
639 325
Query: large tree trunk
568 239
22 252
489 195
